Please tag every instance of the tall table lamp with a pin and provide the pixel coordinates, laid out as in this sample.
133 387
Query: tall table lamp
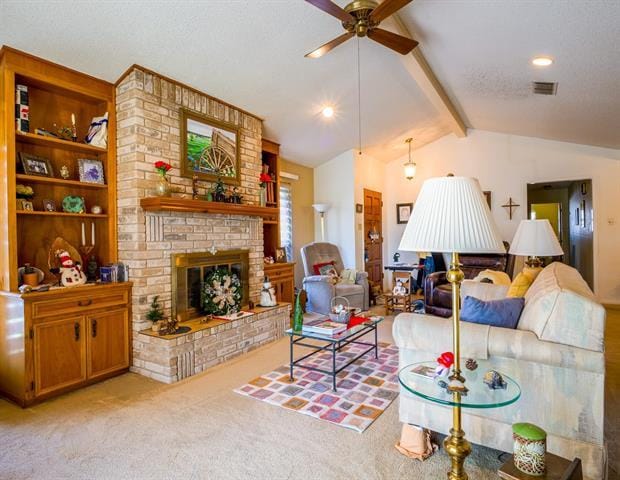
451 215
321 208
534 239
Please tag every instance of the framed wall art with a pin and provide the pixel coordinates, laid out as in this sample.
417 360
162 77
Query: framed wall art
91 171
209 148
403 212
34 165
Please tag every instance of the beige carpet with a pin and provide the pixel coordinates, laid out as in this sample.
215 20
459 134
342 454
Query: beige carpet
133 428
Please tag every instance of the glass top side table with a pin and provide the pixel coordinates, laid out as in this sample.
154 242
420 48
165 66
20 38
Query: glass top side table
478 396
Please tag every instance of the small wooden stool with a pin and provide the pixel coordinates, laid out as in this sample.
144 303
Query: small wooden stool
397 302
558 468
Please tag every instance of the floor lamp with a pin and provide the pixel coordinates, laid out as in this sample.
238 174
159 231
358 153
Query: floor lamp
321 208
451 215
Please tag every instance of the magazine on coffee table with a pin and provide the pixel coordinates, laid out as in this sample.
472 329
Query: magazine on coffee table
424 371
324 326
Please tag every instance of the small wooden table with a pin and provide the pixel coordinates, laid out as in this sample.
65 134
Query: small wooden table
398 302
556 469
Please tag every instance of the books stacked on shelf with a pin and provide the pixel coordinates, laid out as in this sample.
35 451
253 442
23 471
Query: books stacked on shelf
324 326
22 109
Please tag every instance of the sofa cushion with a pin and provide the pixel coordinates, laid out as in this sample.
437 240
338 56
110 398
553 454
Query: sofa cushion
483 291
347 290
493 276
519 286
561 308
503 313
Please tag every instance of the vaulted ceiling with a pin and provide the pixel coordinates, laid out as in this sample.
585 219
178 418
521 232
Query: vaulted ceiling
251 53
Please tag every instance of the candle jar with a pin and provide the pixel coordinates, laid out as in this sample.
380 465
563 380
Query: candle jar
530 446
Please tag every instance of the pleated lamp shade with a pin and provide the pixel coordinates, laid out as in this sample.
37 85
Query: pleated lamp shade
451 215
536 238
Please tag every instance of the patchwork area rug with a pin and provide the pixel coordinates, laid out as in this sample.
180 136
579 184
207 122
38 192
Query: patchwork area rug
365 388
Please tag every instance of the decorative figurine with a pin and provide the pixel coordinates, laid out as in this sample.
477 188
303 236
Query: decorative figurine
455 385
494 380
194 187
236 196
268 295
442 384
91 269
471 364
396 257
96 210
445 361
71 274
64 172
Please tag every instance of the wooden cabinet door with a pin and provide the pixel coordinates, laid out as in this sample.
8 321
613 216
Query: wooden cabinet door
108 342
59 354
373 235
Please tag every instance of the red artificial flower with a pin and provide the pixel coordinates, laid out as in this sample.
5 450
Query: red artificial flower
162 166
264 178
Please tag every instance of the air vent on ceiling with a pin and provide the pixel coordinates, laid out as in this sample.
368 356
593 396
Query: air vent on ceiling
545 88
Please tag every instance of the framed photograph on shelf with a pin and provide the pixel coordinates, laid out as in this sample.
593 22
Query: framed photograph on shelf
27 205
209 149
49 205
280 255
34 165
403 212
91 171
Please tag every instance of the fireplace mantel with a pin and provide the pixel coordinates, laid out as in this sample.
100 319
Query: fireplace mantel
177 204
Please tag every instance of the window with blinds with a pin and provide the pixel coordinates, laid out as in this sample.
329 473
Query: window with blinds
286 220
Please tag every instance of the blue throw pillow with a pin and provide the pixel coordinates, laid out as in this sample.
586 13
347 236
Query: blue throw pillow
497 313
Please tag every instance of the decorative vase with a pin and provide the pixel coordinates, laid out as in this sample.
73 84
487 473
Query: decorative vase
530 445
31 279
298 316
162 188
263 196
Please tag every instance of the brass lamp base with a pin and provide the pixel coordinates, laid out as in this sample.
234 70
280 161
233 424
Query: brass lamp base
457 447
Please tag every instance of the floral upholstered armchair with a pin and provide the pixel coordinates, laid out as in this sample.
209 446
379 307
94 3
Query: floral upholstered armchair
321 288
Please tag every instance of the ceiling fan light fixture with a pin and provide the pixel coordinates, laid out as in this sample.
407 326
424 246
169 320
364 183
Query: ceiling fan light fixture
542 61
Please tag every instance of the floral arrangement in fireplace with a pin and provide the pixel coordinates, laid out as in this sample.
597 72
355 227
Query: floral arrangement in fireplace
221 293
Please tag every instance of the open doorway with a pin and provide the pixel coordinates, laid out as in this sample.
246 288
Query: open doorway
568 207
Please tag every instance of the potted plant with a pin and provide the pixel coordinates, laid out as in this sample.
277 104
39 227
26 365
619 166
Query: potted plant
219 191
156 313
30 276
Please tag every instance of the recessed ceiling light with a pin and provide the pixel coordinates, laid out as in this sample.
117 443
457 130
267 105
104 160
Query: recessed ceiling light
542 61
328 112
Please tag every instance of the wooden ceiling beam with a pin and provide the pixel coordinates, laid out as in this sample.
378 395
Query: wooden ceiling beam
420 70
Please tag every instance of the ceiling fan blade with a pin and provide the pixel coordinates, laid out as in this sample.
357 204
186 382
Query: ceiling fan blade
402 45
330 7
323 49
387 8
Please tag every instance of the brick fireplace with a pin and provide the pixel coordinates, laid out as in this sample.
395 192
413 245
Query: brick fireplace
148 107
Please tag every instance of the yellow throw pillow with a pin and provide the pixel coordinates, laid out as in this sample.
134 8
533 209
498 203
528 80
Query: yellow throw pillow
532 272
519 286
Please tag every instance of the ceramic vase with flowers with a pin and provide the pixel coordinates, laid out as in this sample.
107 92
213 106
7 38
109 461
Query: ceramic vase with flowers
264 179
162 188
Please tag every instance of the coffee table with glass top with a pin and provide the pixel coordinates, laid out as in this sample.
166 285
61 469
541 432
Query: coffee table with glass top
333 344
478 396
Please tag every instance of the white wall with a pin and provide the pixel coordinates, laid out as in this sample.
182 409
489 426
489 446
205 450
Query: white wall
505 164
334 184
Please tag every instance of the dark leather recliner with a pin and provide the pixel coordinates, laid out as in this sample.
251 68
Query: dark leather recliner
438 291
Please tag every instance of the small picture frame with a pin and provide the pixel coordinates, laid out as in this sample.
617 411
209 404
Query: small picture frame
27 205
34 165
403 212
91 171
359 208
280 255
49 205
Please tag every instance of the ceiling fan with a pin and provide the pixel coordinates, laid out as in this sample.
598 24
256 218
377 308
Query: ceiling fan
362 18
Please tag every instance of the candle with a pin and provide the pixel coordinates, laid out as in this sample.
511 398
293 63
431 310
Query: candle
93 233
83 235
73 119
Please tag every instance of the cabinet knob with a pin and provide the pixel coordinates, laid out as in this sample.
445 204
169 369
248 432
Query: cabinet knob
85 303
93 327
76 330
